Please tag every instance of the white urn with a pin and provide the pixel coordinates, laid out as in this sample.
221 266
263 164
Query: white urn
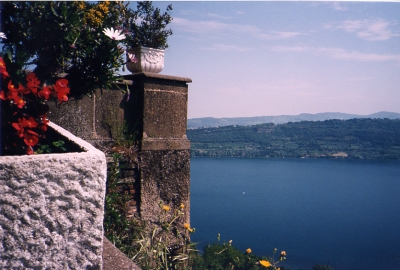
143 59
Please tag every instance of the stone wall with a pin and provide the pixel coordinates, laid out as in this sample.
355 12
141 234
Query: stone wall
155 111
99 117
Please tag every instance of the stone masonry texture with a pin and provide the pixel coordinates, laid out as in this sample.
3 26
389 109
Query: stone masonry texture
52 209
165 176
157 108
155 111
100 117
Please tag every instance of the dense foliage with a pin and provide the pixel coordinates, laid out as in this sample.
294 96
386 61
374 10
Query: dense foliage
63 39
77 46
355 138
66 39
149 26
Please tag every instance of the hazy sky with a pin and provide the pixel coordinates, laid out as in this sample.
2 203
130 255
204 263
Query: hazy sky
272 58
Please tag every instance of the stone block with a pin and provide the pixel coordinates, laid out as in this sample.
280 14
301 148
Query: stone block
158 106
52 208
165 177
99 117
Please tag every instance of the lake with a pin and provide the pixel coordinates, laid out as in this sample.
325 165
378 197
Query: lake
342 212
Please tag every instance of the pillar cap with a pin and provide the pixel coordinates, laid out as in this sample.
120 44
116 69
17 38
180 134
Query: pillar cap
156 76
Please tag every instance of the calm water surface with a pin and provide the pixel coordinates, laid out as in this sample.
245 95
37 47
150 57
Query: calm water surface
341 212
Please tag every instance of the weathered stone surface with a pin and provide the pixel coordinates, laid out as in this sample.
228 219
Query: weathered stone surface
100 117
164 144
52 209
157 109
114 259
165 176
157 106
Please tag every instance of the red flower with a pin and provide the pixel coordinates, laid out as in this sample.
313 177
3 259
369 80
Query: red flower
31 122
62 96
20 126
62 89
30 138
62 85
34 124
23 90
11 86
12 92
32 82
20 102
3 70
44 120
43 127
29 150
22 122
44 123
45 92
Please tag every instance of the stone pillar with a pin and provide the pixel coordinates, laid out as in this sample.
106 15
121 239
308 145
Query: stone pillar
157 110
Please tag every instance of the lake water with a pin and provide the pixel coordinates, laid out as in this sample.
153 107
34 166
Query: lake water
342 212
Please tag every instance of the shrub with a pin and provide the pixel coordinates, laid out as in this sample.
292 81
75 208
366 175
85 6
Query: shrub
63 39
149 26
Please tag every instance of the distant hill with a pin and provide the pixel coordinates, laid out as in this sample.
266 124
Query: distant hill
282 119
354 138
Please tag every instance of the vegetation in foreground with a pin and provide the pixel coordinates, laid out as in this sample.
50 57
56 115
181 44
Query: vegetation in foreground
154 249
355 138
161 245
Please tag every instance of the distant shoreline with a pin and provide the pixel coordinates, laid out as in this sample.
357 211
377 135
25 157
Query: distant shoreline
372 139
205 122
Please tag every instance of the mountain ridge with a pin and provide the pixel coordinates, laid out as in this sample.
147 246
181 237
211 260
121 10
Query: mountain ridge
282 119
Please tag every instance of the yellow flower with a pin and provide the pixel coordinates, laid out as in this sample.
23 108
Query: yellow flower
103 6
182 206
187 227
166 208
265 263
80 5
248 251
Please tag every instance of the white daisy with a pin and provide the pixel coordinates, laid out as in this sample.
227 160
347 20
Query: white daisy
2 35
114 34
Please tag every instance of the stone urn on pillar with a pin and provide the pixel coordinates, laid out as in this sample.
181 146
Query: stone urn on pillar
147 39
143 59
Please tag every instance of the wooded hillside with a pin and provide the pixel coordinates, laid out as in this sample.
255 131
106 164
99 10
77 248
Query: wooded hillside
355 138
